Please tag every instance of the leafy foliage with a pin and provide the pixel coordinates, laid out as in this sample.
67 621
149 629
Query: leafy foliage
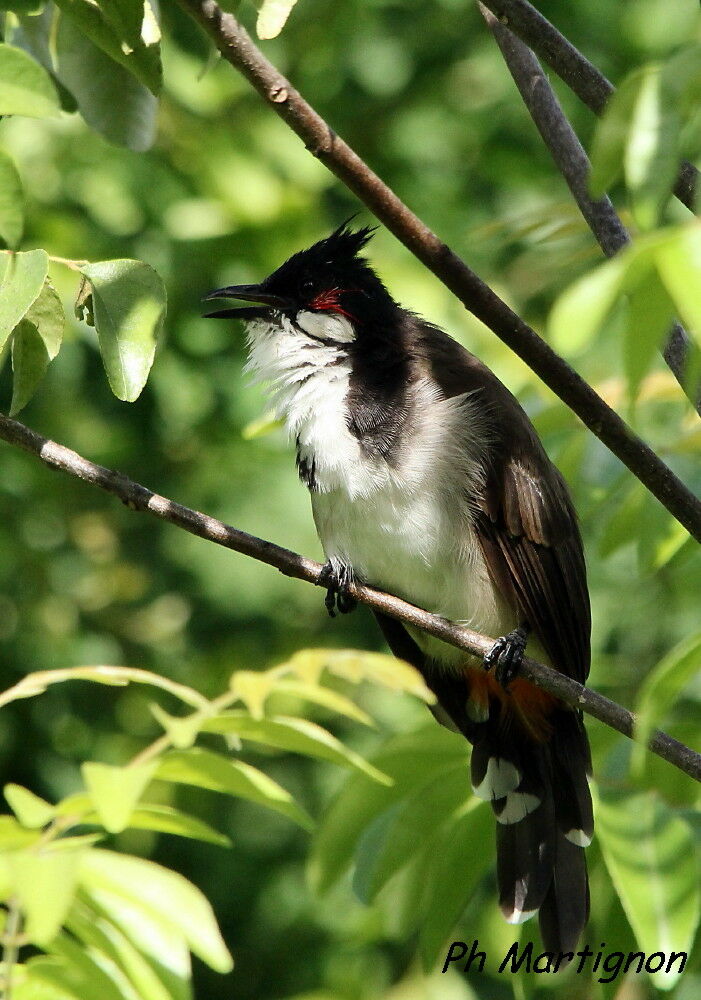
650 124
656 278
53 875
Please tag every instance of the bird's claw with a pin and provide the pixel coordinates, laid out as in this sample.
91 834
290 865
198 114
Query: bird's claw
506 655
337 578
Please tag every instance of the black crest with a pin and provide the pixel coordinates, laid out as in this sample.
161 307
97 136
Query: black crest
337 253
344 244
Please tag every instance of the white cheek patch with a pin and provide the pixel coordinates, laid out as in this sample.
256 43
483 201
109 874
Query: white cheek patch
501 778
326 326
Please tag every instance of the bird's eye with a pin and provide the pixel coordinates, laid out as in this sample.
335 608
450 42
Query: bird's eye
306 286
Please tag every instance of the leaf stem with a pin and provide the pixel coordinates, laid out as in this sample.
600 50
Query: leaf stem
10 946
75 265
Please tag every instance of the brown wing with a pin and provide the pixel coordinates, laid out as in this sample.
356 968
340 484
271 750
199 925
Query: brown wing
527 526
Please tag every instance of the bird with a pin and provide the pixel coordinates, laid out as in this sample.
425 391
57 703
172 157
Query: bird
428 480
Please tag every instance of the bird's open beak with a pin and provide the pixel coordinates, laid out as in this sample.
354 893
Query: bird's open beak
247 293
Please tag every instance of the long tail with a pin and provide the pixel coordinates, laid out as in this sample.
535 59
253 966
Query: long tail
530 760
538 790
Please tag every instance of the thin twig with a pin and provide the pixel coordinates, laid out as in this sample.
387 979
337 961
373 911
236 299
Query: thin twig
138 497
10 948
583 78
573 163
238 49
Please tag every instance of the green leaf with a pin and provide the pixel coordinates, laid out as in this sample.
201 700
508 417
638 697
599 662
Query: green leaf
272 17
35 35
653 863
669 544
22 277
206 769
112 28
142 976
25 87
45 886
135 974
581 310
29 809
650 315
621 528
110 99
11 202
74 805
115 791
323 696
413 823
253 688
611 135
35 342
182 731
456 868
679 264
356 666
71 843
90 979
30 360
13 836
176 901
46 313
661 688
48 978
295 735
165 819
411 761
651 155
130 302
153 937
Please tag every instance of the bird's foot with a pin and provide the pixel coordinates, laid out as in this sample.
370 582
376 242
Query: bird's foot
337 578
506 655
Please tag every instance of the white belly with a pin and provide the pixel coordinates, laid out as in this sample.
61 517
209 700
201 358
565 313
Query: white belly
412 545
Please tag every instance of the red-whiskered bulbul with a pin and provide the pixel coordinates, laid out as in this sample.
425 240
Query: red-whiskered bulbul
428 480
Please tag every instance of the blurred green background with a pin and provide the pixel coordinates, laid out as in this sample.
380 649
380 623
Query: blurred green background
227 193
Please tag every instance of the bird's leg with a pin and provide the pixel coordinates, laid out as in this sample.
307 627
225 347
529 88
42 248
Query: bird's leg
506 655
337 578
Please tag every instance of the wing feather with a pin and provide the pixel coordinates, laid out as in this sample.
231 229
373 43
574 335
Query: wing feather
526 524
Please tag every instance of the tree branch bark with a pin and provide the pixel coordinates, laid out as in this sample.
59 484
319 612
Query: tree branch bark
573 163
237 48
574 69
138 497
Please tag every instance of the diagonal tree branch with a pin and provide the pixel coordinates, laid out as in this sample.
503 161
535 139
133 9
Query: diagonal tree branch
238 49
572 161
574 69
138 497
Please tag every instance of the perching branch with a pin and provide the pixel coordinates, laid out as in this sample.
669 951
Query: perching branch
138 497
238 49
572 162
574 69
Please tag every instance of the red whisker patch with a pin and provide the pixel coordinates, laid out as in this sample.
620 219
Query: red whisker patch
327 301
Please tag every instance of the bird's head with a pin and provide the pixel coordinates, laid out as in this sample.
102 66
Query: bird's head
329 291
